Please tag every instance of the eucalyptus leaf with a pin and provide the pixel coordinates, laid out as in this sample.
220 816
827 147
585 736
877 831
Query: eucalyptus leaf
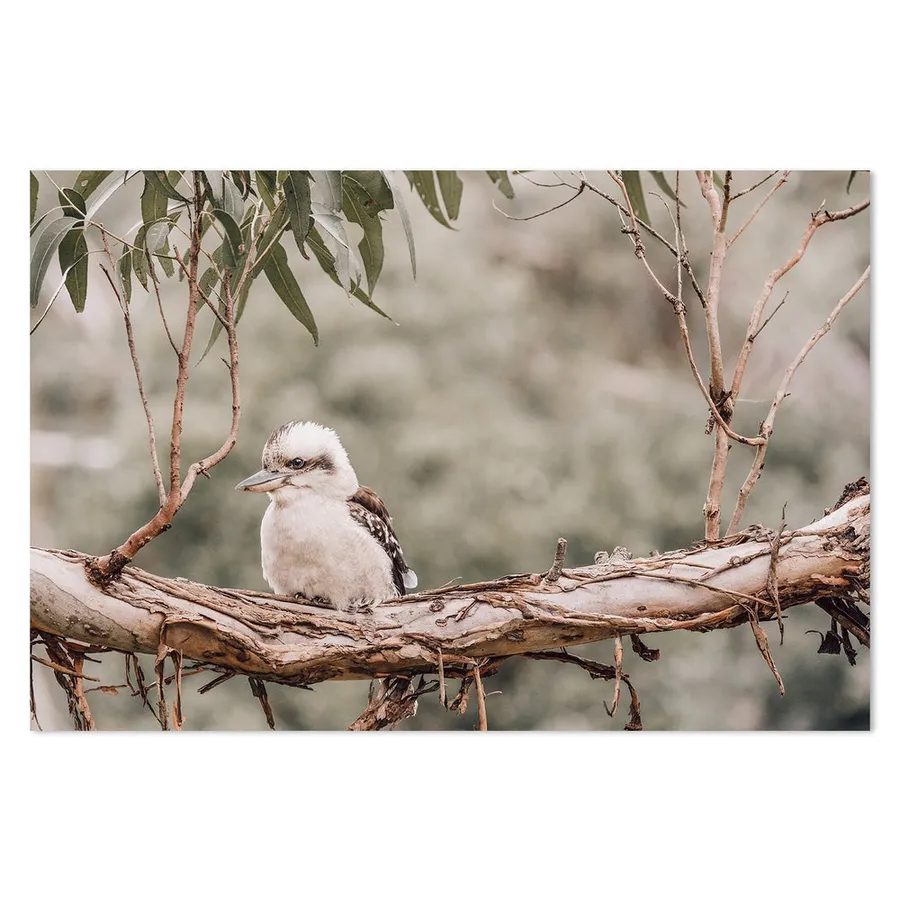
232 201
139 258
231 251
329 184
660 179
103 192
424 185
87 182
451 190
371 247
849 182
72 203
372 187
397 191
162 184
333 227
35 184
299 204
326 260
73 261
632 182
265 184
282 280
271 236
501 179
123 272
717 181
44 249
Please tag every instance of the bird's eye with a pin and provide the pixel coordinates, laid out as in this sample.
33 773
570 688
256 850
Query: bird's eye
297 463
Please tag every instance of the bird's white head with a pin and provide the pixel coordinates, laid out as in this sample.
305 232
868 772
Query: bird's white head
302 456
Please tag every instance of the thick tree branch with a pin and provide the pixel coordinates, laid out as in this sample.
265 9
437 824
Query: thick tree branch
278 639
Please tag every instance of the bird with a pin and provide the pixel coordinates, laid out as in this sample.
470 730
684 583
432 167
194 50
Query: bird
324 537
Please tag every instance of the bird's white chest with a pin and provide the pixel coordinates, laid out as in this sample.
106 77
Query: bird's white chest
311 545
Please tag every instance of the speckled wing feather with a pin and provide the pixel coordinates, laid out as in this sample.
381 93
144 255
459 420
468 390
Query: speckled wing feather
368 511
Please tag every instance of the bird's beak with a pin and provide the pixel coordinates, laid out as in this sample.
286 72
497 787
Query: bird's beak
262 481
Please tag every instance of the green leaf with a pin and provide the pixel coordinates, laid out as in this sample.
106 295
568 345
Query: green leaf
660 179
282 280
397 192
347 264
849 182
265 184
72 203
35 184
501 179
717 181
372 187
232 201
371 247
424 185
104 191
87 182
326 260
73 261
44 249
330 185
632 182
451 190
270 237
296 192
139 258
162 184
123 270
231 251
242 180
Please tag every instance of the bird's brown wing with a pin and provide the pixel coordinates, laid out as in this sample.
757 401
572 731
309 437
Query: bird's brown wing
368 511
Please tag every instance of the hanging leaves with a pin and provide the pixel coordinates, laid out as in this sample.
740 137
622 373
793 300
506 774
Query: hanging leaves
45 247
73 260
282 280
632 182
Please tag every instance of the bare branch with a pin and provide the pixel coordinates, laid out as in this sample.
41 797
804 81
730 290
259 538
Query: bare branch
653 233
753 327
767 426
241 630
748 190
129 333
765 200
577 193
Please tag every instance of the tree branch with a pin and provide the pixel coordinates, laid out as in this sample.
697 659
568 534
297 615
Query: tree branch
767 426
450 628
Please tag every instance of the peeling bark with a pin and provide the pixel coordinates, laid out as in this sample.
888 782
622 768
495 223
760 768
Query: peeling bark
278 639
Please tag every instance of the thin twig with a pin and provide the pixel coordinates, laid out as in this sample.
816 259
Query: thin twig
753 187
817 221
577 193
763 202
767 426
653 233
66 671
162 314
148 415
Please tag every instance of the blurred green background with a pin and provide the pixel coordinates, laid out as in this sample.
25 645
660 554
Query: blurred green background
534 386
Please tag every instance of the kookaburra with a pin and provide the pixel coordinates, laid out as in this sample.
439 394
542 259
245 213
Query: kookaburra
324 537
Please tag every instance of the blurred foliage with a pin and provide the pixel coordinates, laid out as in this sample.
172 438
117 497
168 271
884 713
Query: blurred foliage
530 384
